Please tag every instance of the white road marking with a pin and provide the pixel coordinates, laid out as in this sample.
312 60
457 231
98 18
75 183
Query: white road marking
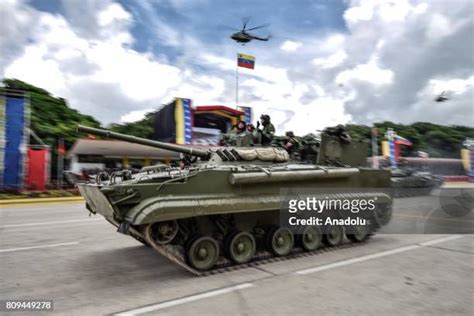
376 255
52 223
439 240
39 247
34 229
184 300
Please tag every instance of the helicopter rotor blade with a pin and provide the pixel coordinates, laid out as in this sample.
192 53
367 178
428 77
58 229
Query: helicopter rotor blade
229 28
245 21
258 27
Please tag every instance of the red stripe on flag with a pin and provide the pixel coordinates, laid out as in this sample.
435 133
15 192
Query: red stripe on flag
245 65
403 142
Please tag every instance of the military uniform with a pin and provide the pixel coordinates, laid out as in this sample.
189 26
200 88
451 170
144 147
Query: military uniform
292 145
267 131
340 132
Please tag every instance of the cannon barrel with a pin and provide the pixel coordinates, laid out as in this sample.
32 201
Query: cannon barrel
143 141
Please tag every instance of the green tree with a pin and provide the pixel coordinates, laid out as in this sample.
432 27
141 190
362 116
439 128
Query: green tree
51 117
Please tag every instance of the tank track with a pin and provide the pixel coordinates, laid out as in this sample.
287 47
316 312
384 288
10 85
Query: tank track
176 255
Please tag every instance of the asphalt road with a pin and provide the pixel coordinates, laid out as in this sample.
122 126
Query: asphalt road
58 252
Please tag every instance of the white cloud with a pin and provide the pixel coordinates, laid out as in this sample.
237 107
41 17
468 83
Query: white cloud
369 72
331 61
16 22
114 12
134 116
333 42
62 59
359 13
455 86
397 49
386 10
290 46
459 107
438 26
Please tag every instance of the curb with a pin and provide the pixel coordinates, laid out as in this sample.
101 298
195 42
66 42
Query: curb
41 200
456 178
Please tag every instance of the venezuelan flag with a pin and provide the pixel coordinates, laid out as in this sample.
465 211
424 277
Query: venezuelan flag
402 141
245 61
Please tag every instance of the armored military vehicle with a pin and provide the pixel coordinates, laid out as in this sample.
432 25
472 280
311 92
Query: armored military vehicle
409 182
406 181
221 208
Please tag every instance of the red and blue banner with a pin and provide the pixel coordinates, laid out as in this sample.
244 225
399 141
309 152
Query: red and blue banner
247 114
14 107
245 61
391 147
37 175
471 161
183 119
402 141
2 138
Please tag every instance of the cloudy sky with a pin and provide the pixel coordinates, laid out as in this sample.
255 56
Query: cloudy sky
328 62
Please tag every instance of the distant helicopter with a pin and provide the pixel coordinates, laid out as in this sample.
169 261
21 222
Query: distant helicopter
444 96
244 37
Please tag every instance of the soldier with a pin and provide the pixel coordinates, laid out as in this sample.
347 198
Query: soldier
340 132
250 128
292 145
254 133
267 131
238 128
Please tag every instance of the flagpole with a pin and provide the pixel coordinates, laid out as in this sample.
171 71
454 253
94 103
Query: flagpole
237 84
375 160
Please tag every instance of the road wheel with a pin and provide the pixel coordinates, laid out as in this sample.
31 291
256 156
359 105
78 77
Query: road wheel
203 253
333 235
163 233
279 241
240 247
311 238
359 233
382 215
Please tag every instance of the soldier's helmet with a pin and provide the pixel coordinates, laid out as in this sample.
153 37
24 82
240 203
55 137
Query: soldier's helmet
340 128
265 117
290 134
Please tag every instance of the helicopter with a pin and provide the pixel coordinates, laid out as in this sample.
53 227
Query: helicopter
243 36
444 96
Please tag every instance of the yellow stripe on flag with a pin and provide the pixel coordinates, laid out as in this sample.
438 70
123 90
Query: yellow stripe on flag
243 56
